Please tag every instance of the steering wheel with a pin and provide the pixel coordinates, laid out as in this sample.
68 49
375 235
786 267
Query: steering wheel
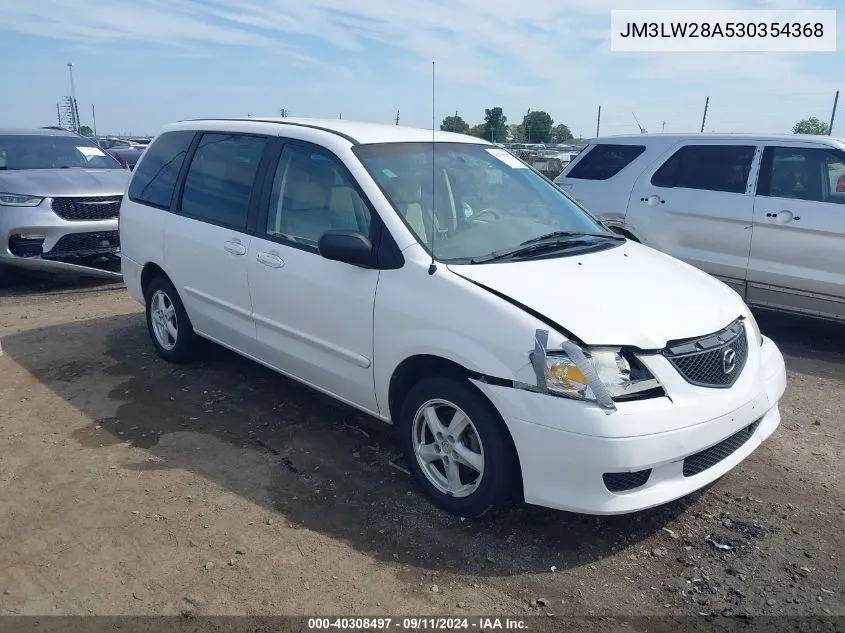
488 211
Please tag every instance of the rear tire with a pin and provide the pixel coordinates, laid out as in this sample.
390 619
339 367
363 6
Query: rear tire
170 328
457 447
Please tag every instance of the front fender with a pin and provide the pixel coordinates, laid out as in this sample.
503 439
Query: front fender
471 354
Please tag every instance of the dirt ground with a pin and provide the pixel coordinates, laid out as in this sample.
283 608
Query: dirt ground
130 486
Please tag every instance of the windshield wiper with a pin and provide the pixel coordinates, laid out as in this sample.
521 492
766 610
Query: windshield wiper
550 242
561 234
531 249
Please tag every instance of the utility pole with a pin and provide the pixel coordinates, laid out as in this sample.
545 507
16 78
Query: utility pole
704 118
340 116
455 122
833 114
598 122
397 117
662 126
94 119
59 114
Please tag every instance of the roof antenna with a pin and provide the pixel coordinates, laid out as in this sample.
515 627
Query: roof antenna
433 266
642 129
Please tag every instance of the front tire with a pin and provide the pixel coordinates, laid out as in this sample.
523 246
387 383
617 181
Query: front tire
457 447
167 321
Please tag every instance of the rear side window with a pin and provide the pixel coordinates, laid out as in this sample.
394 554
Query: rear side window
803 173
220 179
155 178
707 167
605 161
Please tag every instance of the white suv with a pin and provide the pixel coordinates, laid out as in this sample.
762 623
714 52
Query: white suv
435 282
765 214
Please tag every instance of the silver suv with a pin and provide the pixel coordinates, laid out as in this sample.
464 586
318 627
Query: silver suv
59 202
763 213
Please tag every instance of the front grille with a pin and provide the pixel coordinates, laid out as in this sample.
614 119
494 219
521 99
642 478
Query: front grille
84 244
709 457
715 360
619 482
87 208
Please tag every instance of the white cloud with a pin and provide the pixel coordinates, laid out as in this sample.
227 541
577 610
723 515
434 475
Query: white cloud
504 47
536 39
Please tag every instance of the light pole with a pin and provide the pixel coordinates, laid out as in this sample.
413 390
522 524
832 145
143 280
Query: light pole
73 99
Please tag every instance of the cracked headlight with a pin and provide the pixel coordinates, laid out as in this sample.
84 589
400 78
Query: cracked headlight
620 376
752 323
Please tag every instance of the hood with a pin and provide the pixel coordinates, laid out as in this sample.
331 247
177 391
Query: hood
627 295
65 182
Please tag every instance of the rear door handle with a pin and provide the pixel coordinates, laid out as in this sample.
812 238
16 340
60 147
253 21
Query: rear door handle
653 200
270 260
784 216
235 247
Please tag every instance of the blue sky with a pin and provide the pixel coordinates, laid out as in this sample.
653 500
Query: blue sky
144 63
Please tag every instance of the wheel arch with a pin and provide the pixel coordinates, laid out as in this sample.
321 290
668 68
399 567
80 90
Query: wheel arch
150 271
420 366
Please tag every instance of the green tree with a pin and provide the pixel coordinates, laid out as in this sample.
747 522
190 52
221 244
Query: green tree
516 133
810 126
495 125
84 130
478 130
455 124
561 133
538 126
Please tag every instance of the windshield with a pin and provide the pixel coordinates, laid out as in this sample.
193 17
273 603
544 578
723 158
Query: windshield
474 200
52 152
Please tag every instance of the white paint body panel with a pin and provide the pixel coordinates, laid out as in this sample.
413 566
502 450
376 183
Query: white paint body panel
344 330
314 319
708 229
211 281
628 295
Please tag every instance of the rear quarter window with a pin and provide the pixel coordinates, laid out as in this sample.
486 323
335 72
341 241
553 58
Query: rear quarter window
605 160
154 178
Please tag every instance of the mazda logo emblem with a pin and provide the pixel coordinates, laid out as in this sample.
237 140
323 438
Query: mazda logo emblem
728 360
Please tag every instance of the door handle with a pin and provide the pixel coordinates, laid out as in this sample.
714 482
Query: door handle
653 201
784 216
235 247
270 260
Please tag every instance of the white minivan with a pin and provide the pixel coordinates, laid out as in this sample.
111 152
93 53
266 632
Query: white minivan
434 281
763 213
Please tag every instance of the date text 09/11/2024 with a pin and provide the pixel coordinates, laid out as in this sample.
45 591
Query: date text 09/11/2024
418 623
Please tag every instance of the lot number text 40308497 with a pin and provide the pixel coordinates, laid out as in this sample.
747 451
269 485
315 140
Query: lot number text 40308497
418 623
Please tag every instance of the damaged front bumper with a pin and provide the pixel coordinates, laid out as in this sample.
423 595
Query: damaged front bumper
38 238
575 456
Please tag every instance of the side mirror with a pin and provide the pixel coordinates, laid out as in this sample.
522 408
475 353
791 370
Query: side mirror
350 247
